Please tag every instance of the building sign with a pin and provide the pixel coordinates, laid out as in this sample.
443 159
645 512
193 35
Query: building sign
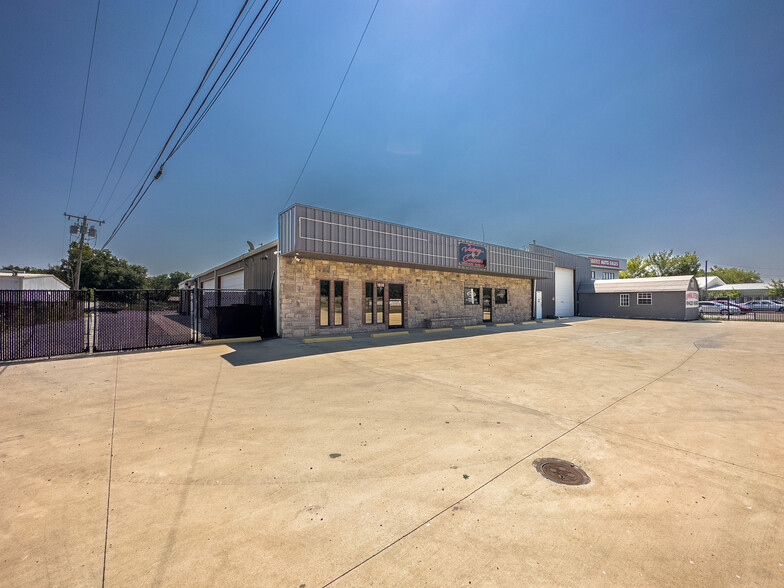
472 255
604 262
692 299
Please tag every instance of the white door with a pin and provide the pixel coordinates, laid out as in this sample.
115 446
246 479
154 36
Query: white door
564 292
538 305
232 281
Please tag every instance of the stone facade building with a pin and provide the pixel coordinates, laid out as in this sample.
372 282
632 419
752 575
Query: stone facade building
336 274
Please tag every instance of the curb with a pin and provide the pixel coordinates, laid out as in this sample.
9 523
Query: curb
232 340
389 334
327 339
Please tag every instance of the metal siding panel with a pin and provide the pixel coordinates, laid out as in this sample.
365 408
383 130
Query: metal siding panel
341 235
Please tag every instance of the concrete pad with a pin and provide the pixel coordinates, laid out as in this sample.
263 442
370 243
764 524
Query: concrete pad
402 465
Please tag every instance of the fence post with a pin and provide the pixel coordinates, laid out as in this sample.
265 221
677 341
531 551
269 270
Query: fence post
91 321
147 322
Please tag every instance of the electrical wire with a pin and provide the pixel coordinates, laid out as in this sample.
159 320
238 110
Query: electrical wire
202 111
136 106
208 100
324 124
147 118
84 103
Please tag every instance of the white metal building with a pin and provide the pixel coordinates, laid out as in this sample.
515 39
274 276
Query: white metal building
25 281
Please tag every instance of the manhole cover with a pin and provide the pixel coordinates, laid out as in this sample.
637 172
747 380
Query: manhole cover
560 471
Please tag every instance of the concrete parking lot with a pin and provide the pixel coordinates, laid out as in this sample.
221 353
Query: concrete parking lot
403 463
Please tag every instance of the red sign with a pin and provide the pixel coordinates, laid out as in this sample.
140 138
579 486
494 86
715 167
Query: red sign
472 255
604 262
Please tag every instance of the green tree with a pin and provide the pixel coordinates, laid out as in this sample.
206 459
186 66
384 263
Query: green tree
636 267
101 269
166 281
662 263
776 289
733 275
26 269
687 264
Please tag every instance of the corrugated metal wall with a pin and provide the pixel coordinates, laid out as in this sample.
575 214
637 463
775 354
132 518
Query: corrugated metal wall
305 229
582 272
259 266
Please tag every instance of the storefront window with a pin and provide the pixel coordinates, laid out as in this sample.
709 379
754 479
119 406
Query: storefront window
471 296
324 304
500 296
338 320
380 303
368 302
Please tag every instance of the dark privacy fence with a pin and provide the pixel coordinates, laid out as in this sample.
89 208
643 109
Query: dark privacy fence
44 323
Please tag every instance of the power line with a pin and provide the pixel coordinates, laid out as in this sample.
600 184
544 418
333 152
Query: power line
147 118
84 103
136 106
324 124
200 111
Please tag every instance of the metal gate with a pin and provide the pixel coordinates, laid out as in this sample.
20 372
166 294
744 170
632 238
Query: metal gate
138 319
48 323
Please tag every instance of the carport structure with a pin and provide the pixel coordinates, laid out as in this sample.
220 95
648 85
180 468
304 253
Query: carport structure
371 463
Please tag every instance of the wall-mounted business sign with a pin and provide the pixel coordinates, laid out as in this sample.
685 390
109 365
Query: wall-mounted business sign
604 262
692 299
472 255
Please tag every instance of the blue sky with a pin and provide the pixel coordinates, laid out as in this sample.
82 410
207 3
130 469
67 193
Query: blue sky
611 128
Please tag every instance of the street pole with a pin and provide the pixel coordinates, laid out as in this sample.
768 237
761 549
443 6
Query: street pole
83 231
82 228
706 279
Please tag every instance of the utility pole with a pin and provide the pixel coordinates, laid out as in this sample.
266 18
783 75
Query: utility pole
80 228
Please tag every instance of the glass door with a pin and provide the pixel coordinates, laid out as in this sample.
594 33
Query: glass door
487 304
395 306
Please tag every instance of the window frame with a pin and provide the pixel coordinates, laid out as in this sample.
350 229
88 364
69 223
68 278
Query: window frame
645 298
374 303
495 296
331 303
624 298
476 297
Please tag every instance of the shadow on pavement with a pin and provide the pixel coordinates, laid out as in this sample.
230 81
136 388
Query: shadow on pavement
280 349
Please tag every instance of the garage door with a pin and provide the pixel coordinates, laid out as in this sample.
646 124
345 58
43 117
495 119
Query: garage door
232 281
208 284
564 292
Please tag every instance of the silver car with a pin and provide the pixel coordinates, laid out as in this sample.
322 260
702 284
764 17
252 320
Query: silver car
709 307
764 306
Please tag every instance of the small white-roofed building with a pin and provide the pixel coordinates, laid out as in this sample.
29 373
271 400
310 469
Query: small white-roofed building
752 290
669 298
11 280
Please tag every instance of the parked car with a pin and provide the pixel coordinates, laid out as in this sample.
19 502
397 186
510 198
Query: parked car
763 306
711 307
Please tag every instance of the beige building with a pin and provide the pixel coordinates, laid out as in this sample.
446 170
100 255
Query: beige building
334 273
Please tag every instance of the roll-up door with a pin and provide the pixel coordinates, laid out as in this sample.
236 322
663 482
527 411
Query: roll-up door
564 292
208 284
232 281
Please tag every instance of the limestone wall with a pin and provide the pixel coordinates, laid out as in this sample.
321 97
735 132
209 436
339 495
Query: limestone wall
428 294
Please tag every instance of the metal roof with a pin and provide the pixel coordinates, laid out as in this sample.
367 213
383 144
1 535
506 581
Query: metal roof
664 284
316 232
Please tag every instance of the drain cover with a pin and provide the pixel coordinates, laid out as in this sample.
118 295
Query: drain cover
560 471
